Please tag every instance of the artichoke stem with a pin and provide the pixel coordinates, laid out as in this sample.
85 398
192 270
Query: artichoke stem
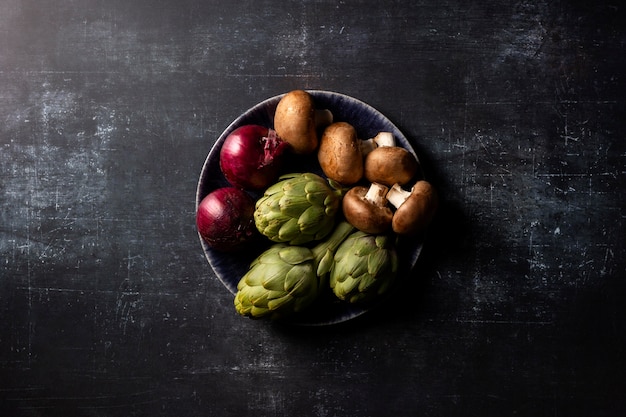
338 189
341 232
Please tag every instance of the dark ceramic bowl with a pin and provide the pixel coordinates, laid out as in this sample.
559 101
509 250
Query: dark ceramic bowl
229 268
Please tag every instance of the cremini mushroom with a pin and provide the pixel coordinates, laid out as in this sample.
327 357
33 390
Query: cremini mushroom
390 165
296 121
381 139
414 209
366 208
339 154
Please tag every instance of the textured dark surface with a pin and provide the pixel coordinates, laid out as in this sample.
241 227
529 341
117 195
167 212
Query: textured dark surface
109 108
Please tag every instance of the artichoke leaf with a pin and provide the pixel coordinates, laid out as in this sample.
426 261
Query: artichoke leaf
383 242
280 302
364 246
241 307
295 186
294 255
256 311
293 206
302 238
311 219
274 277
269 256
257 296
332 200
331 210
325 264
378 261
274 214
271 229
348 284
300 280
275 295
366 281
318 197
252 292
357 298
275 188
288 231
316 185
348 264
357 267
306 290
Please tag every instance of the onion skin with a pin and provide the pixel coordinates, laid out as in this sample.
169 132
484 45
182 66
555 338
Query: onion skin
252 156
225 219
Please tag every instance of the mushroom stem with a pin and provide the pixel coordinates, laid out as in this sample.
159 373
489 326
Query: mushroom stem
323 117
397 195
384 139
376 194
374 217
367 146
381 139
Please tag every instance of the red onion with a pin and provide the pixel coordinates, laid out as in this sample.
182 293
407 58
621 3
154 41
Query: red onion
251 157
225 219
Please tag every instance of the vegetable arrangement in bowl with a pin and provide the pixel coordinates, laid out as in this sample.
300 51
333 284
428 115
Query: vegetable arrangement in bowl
309 206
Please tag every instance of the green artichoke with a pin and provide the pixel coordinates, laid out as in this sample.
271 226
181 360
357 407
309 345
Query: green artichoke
364 267
286 279
300 208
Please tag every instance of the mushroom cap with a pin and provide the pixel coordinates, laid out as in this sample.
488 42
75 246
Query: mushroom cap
390 165
339 154
364 215
294 121
417 210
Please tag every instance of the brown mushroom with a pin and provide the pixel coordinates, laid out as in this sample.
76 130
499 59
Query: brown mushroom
339 154
390 165
296 121
367 210
381 139
414 209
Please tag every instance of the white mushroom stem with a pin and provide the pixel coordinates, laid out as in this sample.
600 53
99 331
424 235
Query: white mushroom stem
323 117
376 194
381 139
397 195
367 146
384 139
